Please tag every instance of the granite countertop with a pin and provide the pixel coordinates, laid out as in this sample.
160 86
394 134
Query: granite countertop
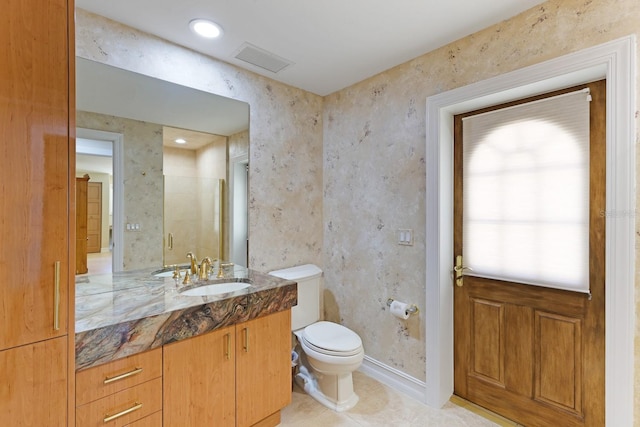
129 312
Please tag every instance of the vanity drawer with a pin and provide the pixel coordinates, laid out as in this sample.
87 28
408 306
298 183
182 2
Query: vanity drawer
100 381
123 408
153 420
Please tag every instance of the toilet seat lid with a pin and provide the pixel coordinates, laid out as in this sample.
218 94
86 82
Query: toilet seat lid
332 337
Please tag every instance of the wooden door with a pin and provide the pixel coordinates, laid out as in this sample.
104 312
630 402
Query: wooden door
199 380
94 217
263 367
34 171
33 389
534 354
82 185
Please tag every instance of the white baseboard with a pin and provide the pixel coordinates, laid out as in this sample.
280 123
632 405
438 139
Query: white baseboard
394 378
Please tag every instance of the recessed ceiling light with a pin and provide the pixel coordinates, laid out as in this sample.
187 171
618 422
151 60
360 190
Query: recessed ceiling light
205 28
181 141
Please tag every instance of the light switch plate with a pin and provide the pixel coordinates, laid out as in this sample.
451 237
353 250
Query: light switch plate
405 236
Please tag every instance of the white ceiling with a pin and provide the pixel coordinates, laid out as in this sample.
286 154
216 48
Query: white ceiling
332 44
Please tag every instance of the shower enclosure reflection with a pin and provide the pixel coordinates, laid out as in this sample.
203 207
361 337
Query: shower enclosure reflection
194 180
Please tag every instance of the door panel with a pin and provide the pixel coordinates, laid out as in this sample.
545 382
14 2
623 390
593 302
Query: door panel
558 361
487 355
94 217
81 224
535 354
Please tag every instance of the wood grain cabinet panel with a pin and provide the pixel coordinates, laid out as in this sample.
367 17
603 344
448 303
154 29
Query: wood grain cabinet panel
199 380
34 169
153 420
100 381
122 408
33 384
263 367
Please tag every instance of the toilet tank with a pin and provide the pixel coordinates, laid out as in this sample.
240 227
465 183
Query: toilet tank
308 277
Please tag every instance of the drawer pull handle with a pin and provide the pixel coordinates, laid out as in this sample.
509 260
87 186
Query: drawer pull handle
246 340
135 407
136 371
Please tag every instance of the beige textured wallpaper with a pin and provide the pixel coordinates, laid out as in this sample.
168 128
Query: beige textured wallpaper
374 166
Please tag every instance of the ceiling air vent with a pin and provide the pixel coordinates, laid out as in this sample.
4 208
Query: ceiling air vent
261 58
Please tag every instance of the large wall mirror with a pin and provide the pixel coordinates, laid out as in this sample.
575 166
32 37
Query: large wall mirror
162 170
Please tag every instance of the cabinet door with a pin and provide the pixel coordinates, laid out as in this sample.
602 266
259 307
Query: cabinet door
34 169
199 380
263 367
33 385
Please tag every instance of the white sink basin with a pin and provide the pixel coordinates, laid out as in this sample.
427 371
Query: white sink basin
215 289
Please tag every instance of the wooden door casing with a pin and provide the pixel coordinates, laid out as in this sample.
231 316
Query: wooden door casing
534 354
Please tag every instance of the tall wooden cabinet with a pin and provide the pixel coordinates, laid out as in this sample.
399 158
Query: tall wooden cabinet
36 116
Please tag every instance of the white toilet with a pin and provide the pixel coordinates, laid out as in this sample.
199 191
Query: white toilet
331 351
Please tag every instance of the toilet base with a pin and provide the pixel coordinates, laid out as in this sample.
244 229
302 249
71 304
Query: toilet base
339 389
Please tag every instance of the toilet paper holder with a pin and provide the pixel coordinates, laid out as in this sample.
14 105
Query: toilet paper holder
411 309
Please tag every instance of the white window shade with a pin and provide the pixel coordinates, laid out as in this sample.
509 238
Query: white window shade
526 193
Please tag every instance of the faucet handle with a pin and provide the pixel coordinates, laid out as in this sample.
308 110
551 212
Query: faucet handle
176 272
187 278
221 267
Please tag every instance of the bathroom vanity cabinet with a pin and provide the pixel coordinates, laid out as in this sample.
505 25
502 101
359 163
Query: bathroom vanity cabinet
36 122
236 376
122 392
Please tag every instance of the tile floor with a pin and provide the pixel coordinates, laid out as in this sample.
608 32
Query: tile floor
382 406
98 263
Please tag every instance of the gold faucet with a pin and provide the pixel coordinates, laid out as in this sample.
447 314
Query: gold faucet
194 262
221 267
205 266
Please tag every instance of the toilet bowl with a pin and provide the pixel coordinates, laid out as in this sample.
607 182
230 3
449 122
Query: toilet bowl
329 352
